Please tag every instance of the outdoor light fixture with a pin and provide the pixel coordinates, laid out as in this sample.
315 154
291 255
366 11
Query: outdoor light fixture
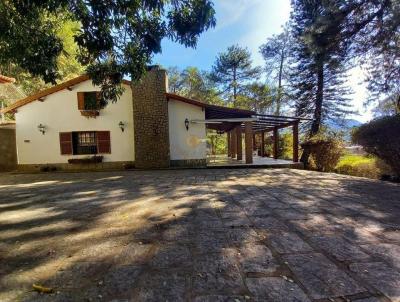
121 126
42 128
187 124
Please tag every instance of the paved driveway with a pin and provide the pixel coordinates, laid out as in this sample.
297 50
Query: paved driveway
199 235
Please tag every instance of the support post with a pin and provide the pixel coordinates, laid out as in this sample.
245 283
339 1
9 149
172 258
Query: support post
254 142
276 142
248 139
239 143
234 144
296 142
228 142
262 143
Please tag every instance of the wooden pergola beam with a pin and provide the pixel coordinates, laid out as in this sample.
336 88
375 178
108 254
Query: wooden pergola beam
276 142
234 143
239 142
262 143
248 139
228 138
296 142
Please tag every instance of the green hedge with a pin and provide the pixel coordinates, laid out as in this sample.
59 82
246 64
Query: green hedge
381 137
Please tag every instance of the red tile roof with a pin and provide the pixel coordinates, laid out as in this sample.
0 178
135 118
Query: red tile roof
49 91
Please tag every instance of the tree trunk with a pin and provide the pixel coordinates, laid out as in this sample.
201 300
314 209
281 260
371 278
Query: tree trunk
234 86
316 123
279 98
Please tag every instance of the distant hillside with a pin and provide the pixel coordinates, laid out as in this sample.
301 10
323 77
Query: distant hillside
344 125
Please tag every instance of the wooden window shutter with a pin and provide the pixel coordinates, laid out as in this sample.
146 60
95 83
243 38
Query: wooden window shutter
66 143
103 142
81 100
98 99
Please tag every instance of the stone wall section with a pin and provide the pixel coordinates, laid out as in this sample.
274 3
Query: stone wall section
8 149
150 118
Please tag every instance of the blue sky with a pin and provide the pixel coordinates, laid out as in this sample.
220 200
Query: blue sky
247 23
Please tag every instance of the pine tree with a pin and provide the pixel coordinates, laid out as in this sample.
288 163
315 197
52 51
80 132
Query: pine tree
319 63
373 29
276 52
193 83
257 97
232 69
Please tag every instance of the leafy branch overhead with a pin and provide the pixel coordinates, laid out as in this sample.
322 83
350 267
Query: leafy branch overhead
116 38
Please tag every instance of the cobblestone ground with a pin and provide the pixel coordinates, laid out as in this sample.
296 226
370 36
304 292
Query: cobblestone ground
199 235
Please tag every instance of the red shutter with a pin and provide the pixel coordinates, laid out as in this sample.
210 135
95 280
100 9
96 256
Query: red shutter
66 143
81 101
98 98
103 142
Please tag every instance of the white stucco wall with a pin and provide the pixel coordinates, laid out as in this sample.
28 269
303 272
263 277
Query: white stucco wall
186 144
59 113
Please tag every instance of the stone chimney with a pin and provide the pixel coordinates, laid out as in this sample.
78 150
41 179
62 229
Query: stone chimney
150 118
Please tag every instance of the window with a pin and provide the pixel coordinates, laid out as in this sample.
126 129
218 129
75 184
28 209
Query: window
84 142
89 100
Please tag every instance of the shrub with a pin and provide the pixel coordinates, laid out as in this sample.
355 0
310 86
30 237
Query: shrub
88 160
48 169
325 151
381 137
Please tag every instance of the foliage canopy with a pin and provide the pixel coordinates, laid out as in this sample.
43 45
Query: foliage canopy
381 137
116 37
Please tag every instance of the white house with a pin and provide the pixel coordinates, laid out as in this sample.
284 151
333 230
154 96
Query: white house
64 127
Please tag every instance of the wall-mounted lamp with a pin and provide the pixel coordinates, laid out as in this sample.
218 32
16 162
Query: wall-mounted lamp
42 128
121 126
187 124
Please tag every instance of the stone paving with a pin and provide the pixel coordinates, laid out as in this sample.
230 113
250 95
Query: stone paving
199 235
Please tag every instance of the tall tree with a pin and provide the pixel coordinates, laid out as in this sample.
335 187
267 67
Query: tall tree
175 80
67 63
319 63
373 29
276 52
116 38
232 70
195 84
257 97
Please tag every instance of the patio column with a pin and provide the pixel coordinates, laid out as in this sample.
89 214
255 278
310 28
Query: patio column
248 139
233 140
296 142
239 142
228 142
276 142
262 143
254 142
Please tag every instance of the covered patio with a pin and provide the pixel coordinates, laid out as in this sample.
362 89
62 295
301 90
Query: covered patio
246 133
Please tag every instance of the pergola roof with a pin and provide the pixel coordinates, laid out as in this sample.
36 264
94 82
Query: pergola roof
224 119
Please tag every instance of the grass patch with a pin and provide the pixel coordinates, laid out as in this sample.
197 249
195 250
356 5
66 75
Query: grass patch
354 160
359 165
